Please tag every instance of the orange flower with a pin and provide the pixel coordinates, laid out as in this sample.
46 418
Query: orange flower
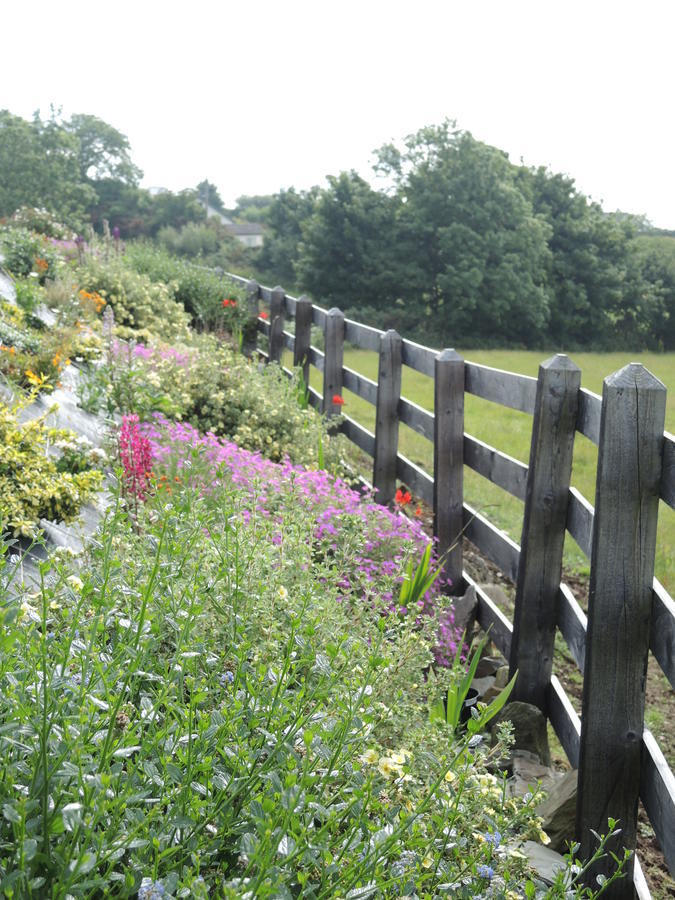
418 511
41 264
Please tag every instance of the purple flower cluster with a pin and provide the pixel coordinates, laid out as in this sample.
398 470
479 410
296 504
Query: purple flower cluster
381 540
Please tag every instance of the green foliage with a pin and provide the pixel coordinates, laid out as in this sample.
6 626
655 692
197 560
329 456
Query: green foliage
102 151
39 168
34 486
200 291
144 306
25 252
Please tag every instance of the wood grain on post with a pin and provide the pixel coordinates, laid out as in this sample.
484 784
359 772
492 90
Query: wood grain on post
276 324
543 535
449 461
249 337
334 332
619 610
386 417
303 336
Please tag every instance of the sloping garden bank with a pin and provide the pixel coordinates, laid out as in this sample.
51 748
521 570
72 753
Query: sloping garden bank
229 692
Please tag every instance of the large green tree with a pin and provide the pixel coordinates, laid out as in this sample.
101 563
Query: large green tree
476 252
39 167
103 152
287 212
347 255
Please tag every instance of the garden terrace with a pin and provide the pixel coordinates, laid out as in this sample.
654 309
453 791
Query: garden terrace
630 613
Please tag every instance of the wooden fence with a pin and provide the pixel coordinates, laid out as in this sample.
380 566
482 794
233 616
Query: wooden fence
629 612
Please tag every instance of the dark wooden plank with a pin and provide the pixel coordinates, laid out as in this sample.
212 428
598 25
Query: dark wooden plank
506 472
566 723
496 545
363 336
490 617
657 792
580 520
358 435
315 398
359 385
265 294
505 388
620 601
303 336
249 334
386 417
588 418
276 324
572 623
264 328
319 316
334 333
415 478
417 418
449 462
290 306
317 359
662 637
668 472
417 357
289 340
543 535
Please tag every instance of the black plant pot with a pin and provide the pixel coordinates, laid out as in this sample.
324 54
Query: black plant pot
470 701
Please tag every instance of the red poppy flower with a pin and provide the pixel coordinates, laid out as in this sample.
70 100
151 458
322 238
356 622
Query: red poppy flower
263 315
337 400
229 301
418 511
402 498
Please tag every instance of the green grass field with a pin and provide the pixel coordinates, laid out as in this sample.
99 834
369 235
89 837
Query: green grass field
509 431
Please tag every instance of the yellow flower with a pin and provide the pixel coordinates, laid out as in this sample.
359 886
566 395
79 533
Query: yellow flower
543 837
370 757
282 593
427 862
75 582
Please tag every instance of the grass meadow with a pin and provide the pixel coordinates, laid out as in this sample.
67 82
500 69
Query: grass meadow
509 431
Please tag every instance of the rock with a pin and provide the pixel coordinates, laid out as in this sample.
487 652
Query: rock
488 665
483 685
498 595
558 811
529 773
501 679
464 610
543 860
529 728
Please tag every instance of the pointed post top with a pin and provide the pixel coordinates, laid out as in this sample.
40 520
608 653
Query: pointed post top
449 355
634 375
561 363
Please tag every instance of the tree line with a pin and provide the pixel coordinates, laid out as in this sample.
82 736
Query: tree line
462 247
456 245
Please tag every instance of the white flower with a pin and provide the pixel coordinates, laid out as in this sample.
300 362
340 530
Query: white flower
76 583
282 593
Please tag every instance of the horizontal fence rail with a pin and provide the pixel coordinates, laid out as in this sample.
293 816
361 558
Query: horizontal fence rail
630 612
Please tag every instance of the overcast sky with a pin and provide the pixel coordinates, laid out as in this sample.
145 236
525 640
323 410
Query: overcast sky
256 96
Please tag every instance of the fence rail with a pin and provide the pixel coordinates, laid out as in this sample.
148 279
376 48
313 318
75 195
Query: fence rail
630 613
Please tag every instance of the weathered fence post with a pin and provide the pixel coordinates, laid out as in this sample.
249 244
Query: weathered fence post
543 535
276 347
249 336
334 335
386 417
619 610
303 336
449 461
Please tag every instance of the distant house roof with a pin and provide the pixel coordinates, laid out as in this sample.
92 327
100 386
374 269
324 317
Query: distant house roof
245 228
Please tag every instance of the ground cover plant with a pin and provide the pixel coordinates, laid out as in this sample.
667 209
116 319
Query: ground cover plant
35 485
216 701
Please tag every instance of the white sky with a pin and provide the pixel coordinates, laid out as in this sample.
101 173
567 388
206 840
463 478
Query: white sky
256 96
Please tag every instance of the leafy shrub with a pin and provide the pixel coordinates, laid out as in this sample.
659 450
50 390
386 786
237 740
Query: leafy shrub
24 252
43 222
142 307
34 486
200 290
